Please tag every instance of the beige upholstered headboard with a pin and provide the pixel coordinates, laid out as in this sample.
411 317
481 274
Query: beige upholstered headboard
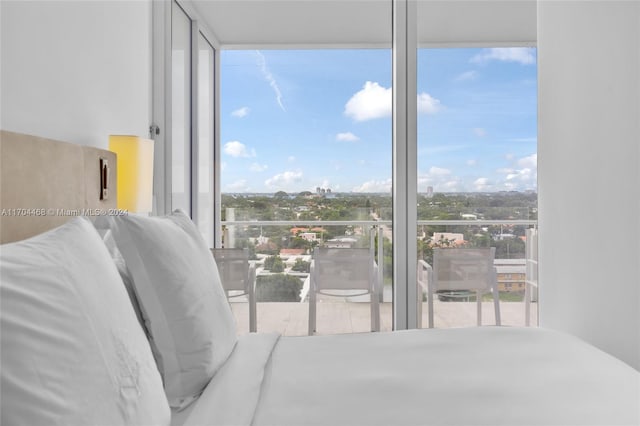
44 183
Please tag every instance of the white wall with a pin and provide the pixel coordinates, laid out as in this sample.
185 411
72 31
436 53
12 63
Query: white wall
76 71
588 162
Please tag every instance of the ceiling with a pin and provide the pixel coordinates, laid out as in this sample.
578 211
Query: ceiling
239 24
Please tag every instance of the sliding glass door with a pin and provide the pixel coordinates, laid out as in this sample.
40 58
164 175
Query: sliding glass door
206 136
192 121
476 187
181 65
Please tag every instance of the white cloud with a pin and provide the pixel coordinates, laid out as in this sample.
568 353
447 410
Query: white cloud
238 186
482 184
427 104
374 186
291 158
471 162
522 55
512 176
255 167
523 175
374 101
284 180
241 112
238 149
467 75
266 73
441 179
529 162
439 171
347 137
325 184
479 132
451 186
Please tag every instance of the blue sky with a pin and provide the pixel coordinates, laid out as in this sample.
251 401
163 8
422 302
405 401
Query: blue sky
294 120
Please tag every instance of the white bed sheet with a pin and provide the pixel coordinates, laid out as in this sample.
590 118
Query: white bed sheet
232 395
479 376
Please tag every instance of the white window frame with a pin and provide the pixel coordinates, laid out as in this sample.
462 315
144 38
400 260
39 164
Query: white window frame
404 52
161 106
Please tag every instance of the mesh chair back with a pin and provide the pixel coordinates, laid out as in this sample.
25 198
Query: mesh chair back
233 266
457 269
531 255
343 269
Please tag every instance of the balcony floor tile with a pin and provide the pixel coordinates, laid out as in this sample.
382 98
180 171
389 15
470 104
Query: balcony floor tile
335 317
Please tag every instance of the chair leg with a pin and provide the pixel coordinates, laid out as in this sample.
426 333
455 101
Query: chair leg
479 305
312 312
375 312
496 305
252 313
430 301
527 304
419 307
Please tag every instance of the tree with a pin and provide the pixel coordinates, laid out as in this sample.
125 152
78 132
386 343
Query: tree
301 266
299 242
274 264
278 288
251 247
509 248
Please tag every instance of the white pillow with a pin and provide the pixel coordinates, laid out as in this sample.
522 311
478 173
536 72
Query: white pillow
73 352
190 324
125 275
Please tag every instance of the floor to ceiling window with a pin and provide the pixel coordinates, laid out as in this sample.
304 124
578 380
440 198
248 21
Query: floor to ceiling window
306 165
477 184
333 140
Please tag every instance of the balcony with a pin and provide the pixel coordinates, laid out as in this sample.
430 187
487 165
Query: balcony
353 314
336 317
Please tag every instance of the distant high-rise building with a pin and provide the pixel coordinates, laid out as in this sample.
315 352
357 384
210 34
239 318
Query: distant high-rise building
429 191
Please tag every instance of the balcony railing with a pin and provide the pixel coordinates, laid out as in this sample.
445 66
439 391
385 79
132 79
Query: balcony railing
517 282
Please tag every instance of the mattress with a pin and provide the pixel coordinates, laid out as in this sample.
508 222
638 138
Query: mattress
480 376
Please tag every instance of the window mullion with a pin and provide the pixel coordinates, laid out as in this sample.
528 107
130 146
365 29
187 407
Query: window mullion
193 143
217 163
404 163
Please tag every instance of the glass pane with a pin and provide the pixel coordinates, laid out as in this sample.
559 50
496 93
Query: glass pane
205 138
477 185
180 110
306 164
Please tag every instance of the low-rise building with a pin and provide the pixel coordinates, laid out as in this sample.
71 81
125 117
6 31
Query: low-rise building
510 275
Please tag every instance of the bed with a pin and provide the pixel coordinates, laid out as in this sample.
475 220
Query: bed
474 376
122 319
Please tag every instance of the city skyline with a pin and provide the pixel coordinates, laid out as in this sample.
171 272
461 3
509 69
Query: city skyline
296 120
